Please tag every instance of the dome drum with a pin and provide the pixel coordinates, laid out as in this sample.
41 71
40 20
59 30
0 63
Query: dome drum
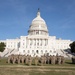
37 32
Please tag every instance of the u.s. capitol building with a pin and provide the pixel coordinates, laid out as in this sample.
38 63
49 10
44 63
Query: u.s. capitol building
37 42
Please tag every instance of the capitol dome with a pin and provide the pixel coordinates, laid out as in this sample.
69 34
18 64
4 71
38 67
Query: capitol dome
38 26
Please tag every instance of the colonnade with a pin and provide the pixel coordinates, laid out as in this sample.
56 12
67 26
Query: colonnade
37 42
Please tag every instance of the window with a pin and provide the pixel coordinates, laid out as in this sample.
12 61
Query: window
42 51
38 43
32 51
45 51
37 32
28 51
41 32
41 42
37 51
23 50
54 51
50 51
35 44
23 43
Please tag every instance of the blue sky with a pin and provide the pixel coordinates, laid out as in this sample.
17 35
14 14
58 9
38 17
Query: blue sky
17 15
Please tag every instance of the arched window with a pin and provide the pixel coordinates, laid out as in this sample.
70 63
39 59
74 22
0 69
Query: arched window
37 51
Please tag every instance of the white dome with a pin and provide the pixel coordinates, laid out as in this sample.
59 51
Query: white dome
38 19
38 24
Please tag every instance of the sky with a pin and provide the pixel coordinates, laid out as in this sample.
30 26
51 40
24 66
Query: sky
16 17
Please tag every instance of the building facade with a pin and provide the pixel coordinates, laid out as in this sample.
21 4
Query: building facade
37 42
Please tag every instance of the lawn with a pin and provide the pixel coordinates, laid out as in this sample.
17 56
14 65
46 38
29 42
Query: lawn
41 70
21 69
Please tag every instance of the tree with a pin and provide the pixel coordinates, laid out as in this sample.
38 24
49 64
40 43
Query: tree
2 46
72 45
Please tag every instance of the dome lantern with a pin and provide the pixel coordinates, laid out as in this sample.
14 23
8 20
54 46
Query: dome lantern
38 13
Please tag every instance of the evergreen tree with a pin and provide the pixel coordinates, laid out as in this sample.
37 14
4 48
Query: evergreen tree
72 45
2 46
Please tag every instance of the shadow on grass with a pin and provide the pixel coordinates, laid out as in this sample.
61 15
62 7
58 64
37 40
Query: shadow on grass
69 63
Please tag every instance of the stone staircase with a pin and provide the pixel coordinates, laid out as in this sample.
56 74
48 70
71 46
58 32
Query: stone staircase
5 52
8 52
65 53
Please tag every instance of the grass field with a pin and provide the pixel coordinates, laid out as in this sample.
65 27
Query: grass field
21 69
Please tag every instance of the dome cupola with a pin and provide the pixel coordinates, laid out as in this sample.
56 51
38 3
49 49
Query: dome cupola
38 26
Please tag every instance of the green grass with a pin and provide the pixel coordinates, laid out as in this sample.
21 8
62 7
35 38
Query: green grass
52 73
4 62
22 69
31 71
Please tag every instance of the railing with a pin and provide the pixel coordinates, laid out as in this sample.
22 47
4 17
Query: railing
11 51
